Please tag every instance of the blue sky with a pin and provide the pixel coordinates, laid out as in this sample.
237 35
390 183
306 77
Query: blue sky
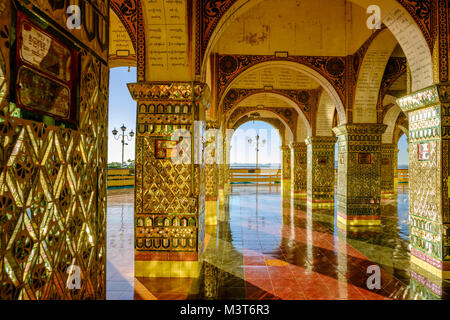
403 156
122 110
243 152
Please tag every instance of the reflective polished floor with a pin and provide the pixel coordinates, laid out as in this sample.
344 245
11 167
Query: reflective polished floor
274 249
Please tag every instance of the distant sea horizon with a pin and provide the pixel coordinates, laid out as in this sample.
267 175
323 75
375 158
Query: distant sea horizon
253 165
399 166
278 165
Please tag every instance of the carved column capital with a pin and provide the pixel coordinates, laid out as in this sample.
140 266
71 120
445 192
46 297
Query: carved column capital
360 129
389 148
321 140
212 124
147 90
285 147
428 97
298 146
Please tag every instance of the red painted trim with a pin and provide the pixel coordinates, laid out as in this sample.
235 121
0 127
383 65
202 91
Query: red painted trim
166 256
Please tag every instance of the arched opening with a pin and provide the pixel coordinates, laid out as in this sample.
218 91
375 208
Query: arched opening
402 185
313 79
287 79
120 191
394 16
255 157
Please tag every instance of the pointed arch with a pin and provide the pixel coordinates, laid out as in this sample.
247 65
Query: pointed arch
282 98
394 15
325 84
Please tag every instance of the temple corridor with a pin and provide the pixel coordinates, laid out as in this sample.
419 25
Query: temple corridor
267 249
224 149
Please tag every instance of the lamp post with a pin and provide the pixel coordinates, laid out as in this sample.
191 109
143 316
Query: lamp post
123 135
256 143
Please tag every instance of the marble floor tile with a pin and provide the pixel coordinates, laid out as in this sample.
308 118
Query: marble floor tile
268 249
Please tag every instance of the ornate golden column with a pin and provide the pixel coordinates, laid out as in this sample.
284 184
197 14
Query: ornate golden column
359 174
429 206
389 161
298 170
211 172
221 173
285 172
320 171
53 152
226 172
169 178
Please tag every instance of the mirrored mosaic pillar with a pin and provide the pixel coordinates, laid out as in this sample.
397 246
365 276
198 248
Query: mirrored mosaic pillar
298 170
221 173
429 206
226 172
53 153
359 174
285 172
211 172
320 174
169 178
389 153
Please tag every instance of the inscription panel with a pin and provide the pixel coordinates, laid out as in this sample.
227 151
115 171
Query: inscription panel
414 45
167 39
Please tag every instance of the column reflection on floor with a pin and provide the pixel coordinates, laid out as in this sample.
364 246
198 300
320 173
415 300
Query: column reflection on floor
273 248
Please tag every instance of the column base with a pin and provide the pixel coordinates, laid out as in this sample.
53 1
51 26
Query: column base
301 194
211 211
357 231
359 220
426 286
433 266
320 203
167 264
388 195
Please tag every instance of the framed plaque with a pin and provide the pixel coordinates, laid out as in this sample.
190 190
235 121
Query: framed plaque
166 149
46 71
423 151
364 158
322 160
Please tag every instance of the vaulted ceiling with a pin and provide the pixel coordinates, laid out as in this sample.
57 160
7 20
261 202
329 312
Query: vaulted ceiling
311 28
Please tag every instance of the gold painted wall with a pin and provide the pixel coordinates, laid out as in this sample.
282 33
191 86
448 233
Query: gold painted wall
259 31
53 179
